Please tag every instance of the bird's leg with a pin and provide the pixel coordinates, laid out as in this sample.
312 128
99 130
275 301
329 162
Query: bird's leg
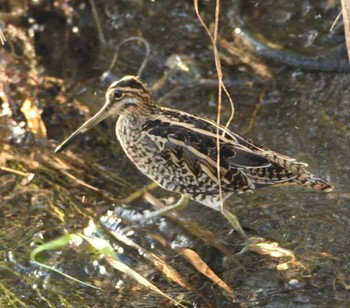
234 222
232 218
182 203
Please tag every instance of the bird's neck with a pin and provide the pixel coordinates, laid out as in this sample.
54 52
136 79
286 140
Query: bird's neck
131 123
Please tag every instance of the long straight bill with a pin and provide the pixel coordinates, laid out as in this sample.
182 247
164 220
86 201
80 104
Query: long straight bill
97 118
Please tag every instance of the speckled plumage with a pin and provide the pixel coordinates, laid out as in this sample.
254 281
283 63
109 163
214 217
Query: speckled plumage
179 152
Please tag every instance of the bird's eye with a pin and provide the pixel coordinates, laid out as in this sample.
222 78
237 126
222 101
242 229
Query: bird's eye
117 94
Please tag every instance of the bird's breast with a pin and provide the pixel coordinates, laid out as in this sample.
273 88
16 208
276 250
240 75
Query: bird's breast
144 152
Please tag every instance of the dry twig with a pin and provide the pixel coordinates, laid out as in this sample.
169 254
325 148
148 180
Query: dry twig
346 19
221 86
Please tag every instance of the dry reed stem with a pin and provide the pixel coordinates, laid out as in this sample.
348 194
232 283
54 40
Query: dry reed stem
345 4
221 86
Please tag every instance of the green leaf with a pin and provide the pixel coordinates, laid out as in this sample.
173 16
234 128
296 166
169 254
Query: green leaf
52 245
111 257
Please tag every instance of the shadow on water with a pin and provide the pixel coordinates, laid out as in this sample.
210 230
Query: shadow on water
287 98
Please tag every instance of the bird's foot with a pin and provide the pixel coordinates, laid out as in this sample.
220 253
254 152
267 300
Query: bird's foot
248 243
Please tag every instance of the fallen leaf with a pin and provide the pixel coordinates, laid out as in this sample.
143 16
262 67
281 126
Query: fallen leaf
34 120
202 267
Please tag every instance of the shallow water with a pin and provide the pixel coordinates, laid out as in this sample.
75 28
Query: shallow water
302 113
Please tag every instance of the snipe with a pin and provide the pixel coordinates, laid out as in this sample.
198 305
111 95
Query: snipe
178 150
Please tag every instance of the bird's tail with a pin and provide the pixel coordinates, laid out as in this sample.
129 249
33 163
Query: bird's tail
309 180
320 185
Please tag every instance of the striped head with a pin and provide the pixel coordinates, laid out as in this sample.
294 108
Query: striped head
128 96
